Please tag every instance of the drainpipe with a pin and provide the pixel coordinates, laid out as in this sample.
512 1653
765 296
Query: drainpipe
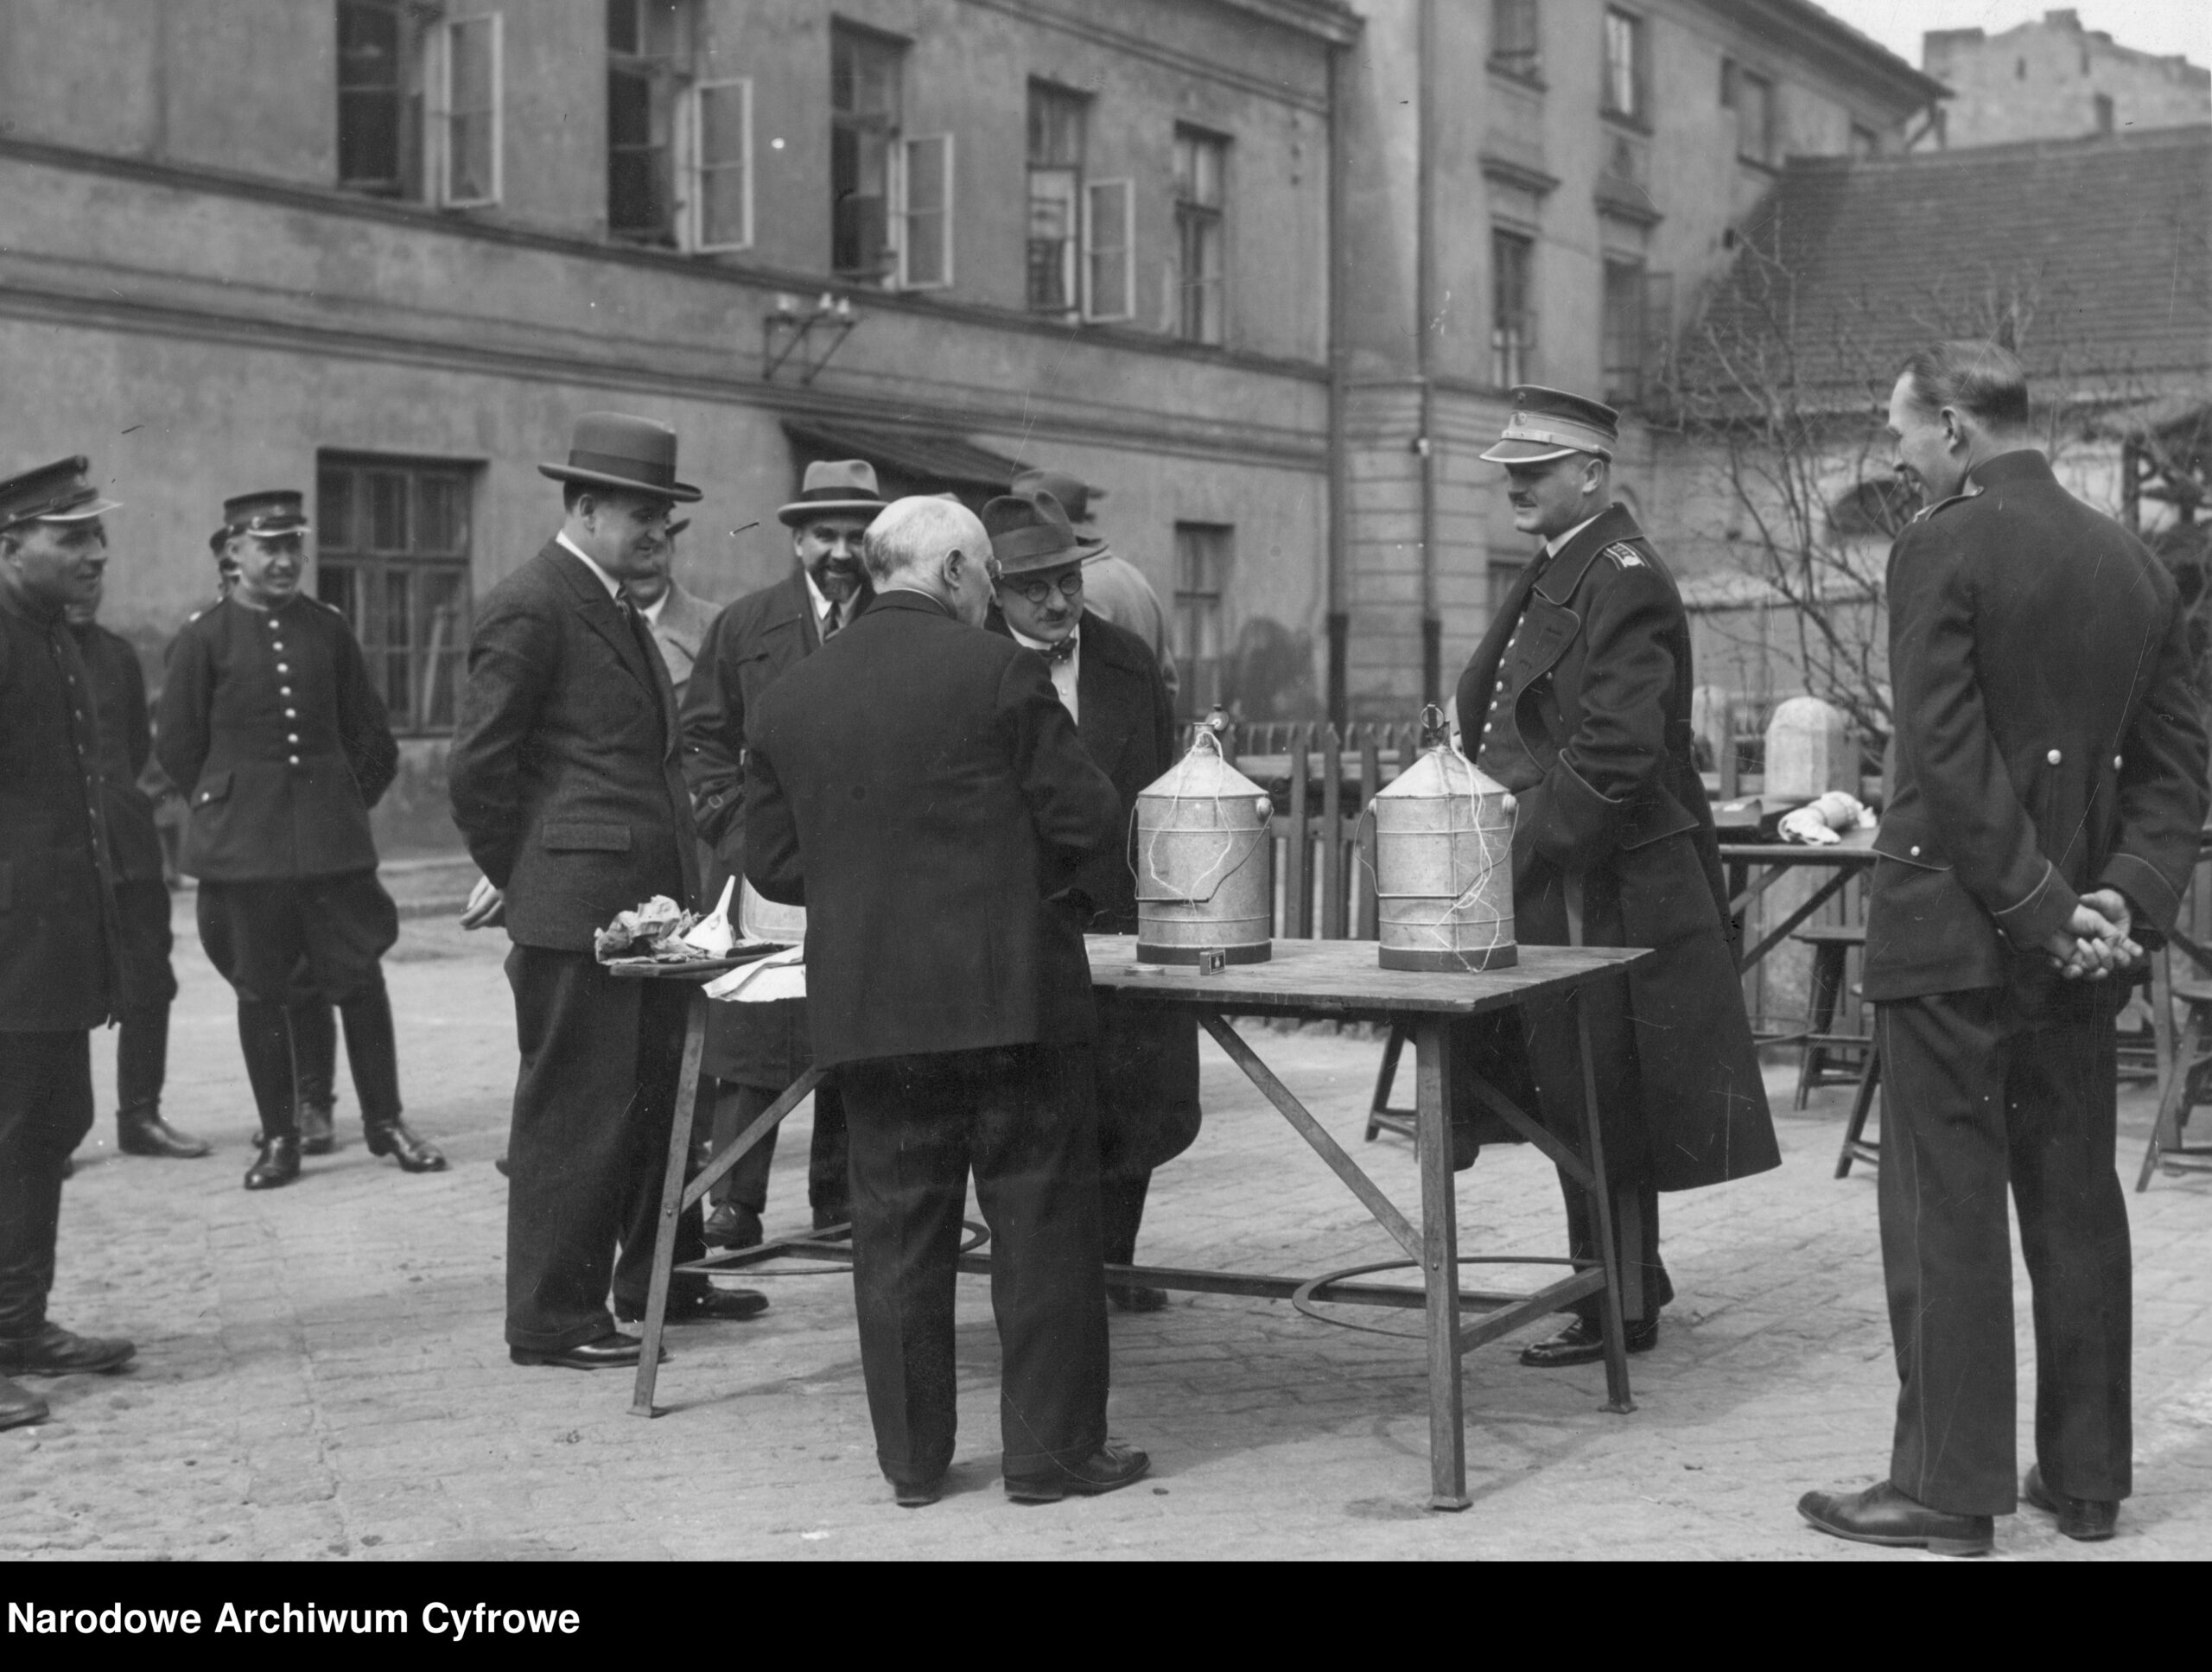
1339 620
1432 627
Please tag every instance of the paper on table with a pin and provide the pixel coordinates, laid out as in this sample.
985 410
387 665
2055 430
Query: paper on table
778 976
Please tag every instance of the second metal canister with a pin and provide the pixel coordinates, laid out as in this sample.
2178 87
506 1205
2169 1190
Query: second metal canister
1204 863
1444 866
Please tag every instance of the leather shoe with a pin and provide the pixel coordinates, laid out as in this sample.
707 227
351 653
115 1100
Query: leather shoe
1136 1297
2089 1519
715 1306
1116 1465
318 1131
612 1352
414 1154
732 1226
55 1351
1883 1514
19 1405
144 1132
1584 1343
279 1163
918 1494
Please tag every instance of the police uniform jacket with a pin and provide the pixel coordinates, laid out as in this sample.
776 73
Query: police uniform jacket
280 744
2048 740
1148 1051
750 646
564 773
126 744
918 787
58 941
1579 700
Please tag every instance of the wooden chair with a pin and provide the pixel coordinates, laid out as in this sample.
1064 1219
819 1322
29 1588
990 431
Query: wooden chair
1857 1146
1380 1118
2189 1082
1821 1045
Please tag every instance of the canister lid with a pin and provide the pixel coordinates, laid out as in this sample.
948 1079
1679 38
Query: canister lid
1202 775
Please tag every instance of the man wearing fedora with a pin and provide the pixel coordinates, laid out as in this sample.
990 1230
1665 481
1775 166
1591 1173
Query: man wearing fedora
678 620
566 787
1114 588
755 1051
280 743
1578 701
1147 1054
59 942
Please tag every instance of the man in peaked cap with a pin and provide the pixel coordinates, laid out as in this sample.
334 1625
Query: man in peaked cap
1107 679
755 1051
1578 700
281 743
568 786
1114 588
59 942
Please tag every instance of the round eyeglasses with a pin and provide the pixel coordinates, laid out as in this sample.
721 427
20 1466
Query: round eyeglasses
1069 585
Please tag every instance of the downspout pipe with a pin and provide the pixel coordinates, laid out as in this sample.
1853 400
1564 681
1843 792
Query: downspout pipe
1339 619
1432 626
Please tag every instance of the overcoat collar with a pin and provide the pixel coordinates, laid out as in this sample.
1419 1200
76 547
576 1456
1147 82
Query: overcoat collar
2025 464
1564 574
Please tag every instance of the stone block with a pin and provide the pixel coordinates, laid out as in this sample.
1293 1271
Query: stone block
1808 751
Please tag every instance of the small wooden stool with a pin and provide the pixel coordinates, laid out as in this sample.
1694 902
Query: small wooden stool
2189 1082
1857 1146
1380 1118
1831 945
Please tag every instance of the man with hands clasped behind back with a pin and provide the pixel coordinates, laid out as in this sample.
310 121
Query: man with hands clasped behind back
2049 795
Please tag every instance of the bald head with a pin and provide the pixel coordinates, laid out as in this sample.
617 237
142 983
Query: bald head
934 547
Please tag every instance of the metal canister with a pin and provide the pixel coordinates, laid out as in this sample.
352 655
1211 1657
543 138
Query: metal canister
1204 863
1443 864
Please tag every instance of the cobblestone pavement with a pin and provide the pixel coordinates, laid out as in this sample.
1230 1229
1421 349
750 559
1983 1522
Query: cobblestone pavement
321 1370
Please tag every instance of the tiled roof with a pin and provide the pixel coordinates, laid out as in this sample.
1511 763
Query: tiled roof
2102 248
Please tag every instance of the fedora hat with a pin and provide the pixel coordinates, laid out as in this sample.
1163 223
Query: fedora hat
835 488
1030 532
1074 494
611 449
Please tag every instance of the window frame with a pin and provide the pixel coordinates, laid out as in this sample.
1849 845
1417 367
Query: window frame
1743 82
1208 223
665 75
369 571
904 214
1523 64
1201 607
446 30
1623 278
405 91
882 266
1639 110
1095 248
692 170
1515 362
1074 253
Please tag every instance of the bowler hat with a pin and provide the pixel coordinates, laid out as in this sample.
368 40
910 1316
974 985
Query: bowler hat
612 449
57 492
272 514
1074 494
1030 532
835 488
1550 424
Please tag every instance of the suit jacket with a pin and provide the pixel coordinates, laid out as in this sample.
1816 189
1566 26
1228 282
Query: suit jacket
564 774
279 742
58 941
126 744
1584 681
917 785
678 630
2048 739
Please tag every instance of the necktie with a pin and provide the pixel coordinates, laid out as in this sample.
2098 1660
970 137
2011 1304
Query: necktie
1063 651
831 624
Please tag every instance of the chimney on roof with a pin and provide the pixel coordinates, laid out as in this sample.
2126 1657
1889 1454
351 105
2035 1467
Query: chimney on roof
2066 18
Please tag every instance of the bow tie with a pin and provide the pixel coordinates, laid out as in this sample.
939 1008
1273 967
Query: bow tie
1063 651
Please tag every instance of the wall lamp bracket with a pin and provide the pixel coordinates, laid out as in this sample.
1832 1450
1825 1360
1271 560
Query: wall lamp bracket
789 328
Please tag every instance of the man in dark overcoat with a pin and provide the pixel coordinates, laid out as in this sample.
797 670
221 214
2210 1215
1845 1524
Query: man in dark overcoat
1106 676
271 728
755 1051
59 942
1578 700
2049 792
918 787
142 893
566 787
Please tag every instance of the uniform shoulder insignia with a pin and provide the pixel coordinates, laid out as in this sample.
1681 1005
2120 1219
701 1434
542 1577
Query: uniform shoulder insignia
1625 555
1927 511
324 604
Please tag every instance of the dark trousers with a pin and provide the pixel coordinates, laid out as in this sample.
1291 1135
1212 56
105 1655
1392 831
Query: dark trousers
595 1100
313 1029
1024 1118
747 1184
46 1110
148 984
1982 1088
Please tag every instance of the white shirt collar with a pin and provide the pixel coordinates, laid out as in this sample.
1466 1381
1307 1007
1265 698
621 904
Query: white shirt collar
1553 548
651 612
823 606
1042 645
613 587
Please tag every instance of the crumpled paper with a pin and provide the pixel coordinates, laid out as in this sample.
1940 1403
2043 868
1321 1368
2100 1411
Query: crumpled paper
778 976
1818 822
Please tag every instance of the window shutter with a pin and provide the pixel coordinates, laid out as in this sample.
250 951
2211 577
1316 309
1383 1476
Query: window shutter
1110 250
924 212
718 177
469 122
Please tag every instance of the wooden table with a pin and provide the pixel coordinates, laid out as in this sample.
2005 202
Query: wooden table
1313 980
1771 860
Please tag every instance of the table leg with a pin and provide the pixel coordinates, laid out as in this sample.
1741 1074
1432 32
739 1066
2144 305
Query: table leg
671 1200
1440 1227
1609 1254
